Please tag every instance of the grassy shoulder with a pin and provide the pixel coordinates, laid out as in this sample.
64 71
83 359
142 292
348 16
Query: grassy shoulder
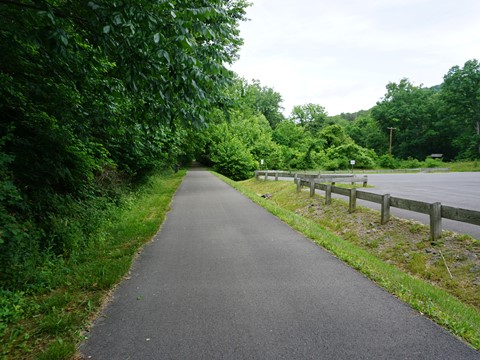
48 324
400 258
410 166
460 166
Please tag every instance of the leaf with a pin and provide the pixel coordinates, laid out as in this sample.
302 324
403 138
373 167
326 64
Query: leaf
93 5
106 29
152 19
117 20
64 39
156 38
164 54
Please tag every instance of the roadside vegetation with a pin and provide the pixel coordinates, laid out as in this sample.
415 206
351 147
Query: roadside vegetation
398 255
464 166
97 96
46 321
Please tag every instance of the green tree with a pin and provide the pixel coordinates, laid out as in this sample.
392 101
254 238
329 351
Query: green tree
412 111
289 134
312 117
461 95
253 132
253 98
366 132
334 135
338 157
232 159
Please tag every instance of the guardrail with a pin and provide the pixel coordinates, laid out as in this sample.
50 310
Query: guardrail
321 178
364 171
436 211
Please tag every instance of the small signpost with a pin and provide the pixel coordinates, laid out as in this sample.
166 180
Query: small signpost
352 162
261 163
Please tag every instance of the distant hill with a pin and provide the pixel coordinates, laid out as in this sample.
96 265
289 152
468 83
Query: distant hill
353 116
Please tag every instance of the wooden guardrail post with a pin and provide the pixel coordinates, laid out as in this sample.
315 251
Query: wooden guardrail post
257 174
436 221
298 181
328 195
266 175
365 180
352 204
312 188
385 210
276 175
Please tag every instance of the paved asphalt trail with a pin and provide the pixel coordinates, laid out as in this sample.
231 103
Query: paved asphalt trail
224 279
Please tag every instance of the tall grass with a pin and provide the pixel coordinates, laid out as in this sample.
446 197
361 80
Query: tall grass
48 323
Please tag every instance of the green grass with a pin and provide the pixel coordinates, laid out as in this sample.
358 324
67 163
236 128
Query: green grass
49 324
459 318
464 166
454 166
350 186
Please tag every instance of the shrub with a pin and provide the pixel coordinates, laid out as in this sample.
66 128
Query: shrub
411 163
364 158
275 159
432 163
232 159
388 162
18 238
332 164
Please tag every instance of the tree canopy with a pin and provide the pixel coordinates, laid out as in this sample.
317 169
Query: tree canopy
461 96
98 93
443 119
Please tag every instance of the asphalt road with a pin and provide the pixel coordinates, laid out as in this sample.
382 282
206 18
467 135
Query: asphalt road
454 189
224 279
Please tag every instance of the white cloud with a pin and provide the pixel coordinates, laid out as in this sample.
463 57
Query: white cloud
341 54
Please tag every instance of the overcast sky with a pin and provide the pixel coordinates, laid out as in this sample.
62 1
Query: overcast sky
342 53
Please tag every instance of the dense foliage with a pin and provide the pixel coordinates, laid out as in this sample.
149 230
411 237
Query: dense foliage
95 95
441 120
237 144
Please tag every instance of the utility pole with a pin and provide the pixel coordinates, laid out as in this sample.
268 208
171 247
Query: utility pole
391 135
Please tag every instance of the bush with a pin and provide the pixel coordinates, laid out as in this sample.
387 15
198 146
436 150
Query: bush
411 163
232 159
18 238
275 159
388 162
432 163
333 164
364 158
